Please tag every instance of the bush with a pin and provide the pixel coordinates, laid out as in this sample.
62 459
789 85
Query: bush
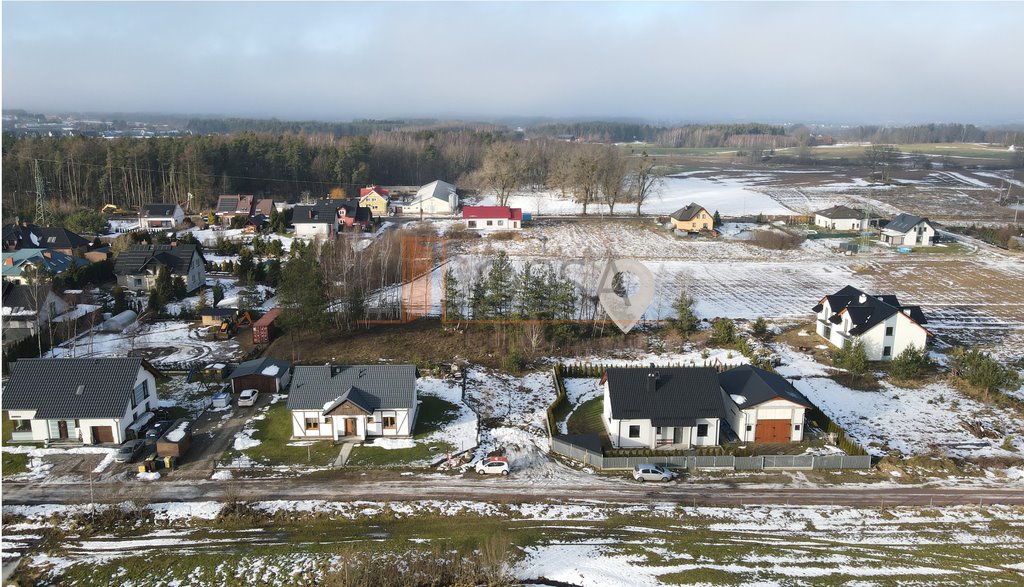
981 371
851 357
909 364
776 240
760 327
723 331
686 321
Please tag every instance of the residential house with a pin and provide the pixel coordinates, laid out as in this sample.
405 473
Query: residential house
161 216
907 229
671 408
88 401
693 218
352 212
493 217
17 264
376 198
29 236
840 218
435 198
266 375
353 401
319 220
771 409
230 207
885 326
136 268
26 308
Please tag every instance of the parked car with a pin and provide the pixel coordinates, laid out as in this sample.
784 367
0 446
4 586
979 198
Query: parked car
651 472
248 397
492 465
127 452
157 429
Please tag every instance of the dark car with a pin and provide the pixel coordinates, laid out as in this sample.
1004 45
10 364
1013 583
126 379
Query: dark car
157 429
127 452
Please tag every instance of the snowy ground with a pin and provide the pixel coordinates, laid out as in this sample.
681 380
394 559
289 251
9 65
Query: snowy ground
159 342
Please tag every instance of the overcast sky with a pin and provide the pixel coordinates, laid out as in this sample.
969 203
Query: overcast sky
668 62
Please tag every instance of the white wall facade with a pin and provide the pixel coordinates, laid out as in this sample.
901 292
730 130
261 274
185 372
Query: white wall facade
320 230
652 437
882 342
776 409
838 223
333 427
922 235
492 224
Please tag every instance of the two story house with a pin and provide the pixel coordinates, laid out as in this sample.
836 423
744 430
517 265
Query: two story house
693 218
376 198
884 325
910 230
161 216
136 268
319 220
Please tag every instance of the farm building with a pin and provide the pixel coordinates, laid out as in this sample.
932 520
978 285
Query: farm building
771 409
437 197
87 401
266 375
353 401
885 326
667 408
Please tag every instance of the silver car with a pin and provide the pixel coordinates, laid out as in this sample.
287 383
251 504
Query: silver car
651 472
127 452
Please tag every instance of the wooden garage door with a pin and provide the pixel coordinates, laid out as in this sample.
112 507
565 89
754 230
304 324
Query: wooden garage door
102 434
772 431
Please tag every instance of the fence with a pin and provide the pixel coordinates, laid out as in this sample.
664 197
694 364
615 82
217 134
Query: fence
723 462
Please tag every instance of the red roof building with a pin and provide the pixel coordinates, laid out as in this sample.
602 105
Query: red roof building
493 217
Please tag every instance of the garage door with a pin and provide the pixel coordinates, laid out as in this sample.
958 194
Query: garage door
102 434
772 431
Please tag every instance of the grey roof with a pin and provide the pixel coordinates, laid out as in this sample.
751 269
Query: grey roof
679 396
688 212
355 210
137 258
357 397
866 314
50 237
256 367
324 212
905 222
158 210
26 297
758 386
235 204
437 189
72 388
841 213
385 386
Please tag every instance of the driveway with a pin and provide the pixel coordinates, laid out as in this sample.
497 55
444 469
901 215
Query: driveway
212 434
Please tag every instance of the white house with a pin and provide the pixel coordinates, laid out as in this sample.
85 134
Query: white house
159 216
907 229
136 268
666 408
88 401
353 401
435 198
492 217
316 221
771 409
885 326
840 218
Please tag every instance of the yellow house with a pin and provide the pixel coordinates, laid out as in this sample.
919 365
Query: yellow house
376 199
693 218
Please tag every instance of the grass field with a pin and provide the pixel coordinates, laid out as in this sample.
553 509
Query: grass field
967 153
588 544
275 449
14 463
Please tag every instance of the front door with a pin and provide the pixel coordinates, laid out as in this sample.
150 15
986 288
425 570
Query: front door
677 435
350 426
62 429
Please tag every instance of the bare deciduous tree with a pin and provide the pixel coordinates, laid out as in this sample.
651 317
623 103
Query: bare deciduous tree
643 180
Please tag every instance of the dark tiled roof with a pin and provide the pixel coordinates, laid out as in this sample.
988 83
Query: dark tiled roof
48 237
319 213
218 312
21 296
177 258
386 386
758 386
904 222
158 210
353 209
356 397
841 213
72 388
688 212
680 396
866 311
257 366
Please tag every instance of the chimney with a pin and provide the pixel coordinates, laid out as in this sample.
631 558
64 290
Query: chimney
48 254
652 381
310 213
863 298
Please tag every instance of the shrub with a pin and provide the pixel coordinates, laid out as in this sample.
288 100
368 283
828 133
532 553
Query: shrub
981 371
776 240
760 327
909 364
851 357
723 331
686 321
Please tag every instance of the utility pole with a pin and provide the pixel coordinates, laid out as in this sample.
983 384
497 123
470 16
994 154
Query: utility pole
44 217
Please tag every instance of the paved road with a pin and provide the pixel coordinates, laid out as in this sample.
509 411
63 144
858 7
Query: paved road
350 486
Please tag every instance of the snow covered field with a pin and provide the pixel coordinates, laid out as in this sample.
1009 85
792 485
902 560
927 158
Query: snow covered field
159 342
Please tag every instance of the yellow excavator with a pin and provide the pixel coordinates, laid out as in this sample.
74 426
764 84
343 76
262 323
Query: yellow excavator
111 209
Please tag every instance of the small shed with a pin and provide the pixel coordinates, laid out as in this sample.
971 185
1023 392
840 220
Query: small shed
176 441
267 375
214 316
264 329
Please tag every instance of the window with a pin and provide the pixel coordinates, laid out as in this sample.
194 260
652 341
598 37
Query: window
796 427
702 430
471 224
634 432
312 424
139 395
749 428
887 351
888 330
490 222
138 282
390 422
658 430
22 425
501 223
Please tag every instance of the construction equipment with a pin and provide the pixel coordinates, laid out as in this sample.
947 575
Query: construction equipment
244 320
227 329
111 209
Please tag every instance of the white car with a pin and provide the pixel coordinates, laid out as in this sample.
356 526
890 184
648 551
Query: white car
651 472
493 465
248 397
